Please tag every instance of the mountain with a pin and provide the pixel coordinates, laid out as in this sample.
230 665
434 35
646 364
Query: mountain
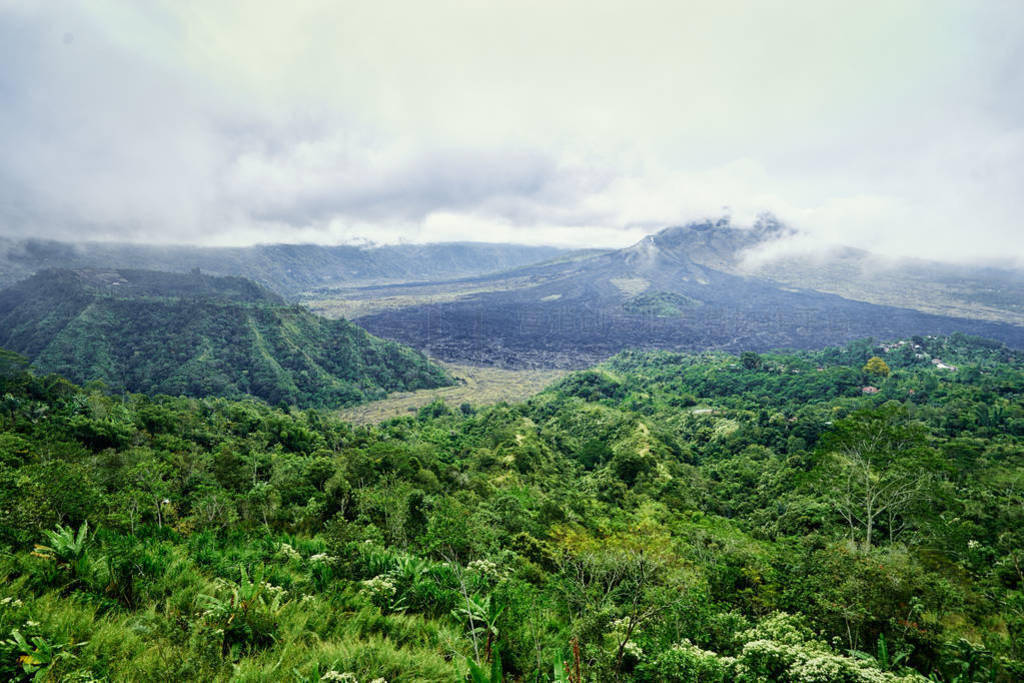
288 269
982 292
684 288
772 251
199 335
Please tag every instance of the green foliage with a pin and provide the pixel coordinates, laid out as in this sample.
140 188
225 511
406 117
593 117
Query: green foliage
661 304
876 366
750 360
877 467
12 365
685 662
70 553
36 656
196 335
243 614
664 517
477 673
591 386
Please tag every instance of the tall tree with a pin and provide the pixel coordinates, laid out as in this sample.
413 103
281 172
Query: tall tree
876 366
877 466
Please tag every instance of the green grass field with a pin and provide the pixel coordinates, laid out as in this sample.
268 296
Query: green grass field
477 386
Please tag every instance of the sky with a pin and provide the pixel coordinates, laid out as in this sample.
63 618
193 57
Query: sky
895 126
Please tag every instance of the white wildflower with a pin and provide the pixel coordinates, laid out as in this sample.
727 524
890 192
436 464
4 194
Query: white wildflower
632 648
274 590
620 625
485 568
337 676
379 587
289 552
321 557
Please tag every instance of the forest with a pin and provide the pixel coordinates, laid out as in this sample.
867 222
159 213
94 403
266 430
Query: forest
848 514
198 335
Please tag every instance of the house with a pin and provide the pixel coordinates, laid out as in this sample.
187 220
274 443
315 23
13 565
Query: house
869 390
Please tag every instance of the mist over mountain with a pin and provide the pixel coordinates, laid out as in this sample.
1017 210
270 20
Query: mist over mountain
690 288
287 395
287 269
983 291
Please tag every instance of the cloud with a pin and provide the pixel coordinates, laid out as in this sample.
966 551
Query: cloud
891 126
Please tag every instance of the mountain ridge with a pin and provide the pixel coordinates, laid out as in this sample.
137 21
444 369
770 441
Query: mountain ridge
199 335
287 269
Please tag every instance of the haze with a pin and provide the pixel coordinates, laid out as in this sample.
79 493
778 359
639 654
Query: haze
892 126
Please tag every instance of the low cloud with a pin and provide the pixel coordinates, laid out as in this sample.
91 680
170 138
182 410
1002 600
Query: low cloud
583 125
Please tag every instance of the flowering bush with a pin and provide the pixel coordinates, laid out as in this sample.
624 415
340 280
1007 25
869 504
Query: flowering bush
347 677
780 648
380 590
289 553
687 662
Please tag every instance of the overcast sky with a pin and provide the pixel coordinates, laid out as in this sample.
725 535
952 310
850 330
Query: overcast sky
895 125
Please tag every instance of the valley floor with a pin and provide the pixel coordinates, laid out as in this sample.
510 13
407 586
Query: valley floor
478 386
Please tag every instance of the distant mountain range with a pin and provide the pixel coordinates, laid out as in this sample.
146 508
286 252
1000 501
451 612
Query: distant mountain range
199 335
707 285
287 269
686 288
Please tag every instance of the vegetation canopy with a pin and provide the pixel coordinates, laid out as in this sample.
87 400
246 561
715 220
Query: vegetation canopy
662 517
197 335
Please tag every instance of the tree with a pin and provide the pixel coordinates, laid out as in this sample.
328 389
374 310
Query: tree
152 477
876 467
750 360
876 366
615 586
12 365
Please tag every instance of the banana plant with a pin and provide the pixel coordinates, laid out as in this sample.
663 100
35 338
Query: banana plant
38 656
477 673
65 545
483 615
69 551
564 672
885 660
560 674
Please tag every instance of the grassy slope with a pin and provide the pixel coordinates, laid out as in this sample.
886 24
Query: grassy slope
477 386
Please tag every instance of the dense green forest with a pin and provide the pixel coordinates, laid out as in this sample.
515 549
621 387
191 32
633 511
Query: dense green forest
851 514
198 335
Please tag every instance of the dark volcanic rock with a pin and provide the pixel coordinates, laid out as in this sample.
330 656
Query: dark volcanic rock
659 293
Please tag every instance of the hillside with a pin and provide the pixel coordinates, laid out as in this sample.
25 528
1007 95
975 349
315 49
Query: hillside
772 251
199 335
683 288
986 293
288 269
474 386
662 517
